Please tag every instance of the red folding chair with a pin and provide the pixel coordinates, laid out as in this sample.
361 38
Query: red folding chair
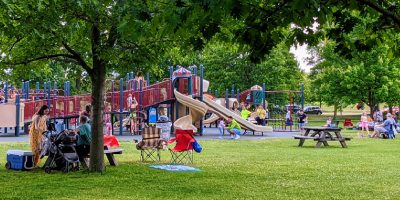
183 150
347 123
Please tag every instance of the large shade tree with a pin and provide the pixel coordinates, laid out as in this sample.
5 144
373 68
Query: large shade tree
92 35
362 67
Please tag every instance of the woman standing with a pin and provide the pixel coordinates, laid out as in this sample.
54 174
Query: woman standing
133 116
38 126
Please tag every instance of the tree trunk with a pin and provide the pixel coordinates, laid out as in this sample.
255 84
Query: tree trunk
97 146
371 111
97 75
371 103
335 108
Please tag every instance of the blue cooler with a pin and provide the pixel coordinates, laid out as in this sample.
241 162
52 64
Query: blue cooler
19 160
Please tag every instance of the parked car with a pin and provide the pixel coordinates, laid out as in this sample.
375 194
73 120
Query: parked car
276 109
293 108
313 110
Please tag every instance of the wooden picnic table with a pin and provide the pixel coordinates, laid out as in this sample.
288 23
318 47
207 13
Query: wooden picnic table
322 135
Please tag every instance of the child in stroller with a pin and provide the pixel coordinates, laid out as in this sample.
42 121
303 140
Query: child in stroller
60 150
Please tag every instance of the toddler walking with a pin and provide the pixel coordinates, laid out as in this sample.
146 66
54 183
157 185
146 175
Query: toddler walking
364 124
221 127
107 121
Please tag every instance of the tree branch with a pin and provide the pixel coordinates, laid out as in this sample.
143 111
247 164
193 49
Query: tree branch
112 36
39 58
77 57
381 10
12 46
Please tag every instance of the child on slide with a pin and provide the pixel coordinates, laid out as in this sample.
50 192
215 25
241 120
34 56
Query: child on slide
245 113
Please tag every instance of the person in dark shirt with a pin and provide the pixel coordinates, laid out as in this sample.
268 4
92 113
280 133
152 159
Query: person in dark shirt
302 120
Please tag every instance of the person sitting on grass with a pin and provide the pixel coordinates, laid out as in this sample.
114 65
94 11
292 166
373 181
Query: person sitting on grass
84 133
233 128
384 127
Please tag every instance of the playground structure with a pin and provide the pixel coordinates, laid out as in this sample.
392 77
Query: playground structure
278 103
20 109
183 92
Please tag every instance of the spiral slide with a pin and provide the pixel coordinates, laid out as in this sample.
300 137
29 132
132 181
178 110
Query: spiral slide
221 110
197 111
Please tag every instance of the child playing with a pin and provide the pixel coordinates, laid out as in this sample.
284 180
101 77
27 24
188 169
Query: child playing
245 113
364 124
221 127
107 120
328 122
302 120
129 101
233 128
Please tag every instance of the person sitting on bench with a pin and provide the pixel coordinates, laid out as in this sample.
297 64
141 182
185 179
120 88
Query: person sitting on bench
84 133
261 114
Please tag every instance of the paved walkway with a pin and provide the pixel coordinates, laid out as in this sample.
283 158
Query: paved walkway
209 134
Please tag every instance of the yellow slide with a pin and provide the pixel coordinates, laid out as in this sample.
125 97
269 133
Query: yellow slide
197 111
221 110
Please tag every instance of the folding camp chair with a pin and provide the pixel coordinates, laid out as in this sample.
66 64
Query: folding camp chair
183 150
150 145
347 123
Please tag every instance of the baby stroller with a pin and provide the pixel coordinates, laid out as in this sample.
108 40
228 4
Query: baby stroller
60 150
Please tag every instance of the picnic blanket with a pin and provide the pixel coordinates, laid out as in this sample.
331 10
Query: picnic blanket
176 168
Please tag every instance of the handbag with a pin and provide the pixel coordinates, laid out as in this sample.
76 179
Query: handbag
197 147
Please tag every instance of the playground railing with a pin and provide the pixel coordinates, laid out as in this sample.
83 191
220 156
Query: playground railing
62 106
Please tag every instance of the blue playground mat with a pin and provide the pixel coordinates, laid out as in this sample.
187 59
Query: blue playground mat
176 168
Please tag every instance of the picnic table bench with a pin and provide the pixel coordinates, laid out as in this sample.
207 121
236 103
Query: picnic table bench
109 141
109 154
322 135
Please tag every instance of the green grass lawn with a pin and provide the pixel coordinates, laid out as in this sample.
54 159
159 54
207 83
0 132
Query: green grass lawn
263 169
